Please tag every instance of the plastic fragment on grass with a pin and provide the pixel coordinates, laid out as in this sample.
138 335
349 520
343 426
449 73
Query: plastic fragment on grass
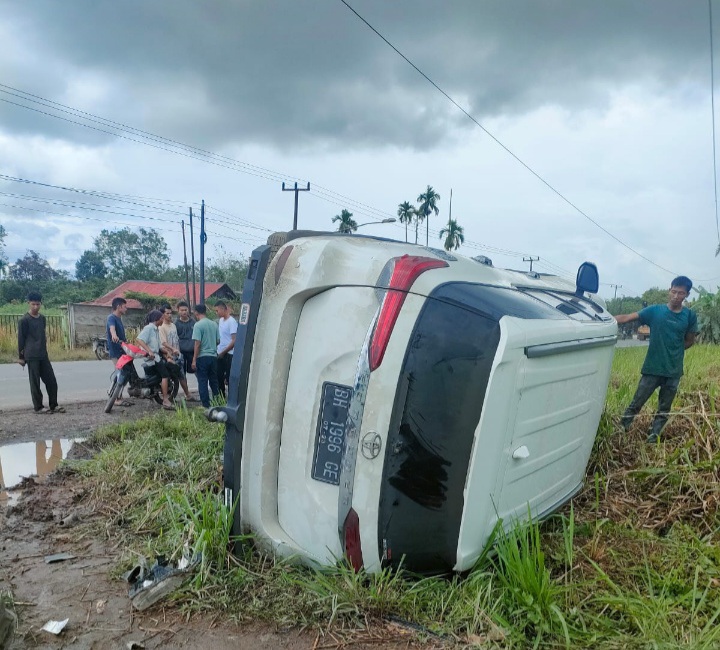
148 586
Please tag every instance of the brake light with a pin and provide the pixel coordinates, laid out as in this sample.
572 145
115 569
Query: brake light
351 538
406 271
282 260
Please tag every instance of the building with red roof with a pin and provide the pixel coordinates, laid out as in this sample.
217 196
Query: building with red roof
87 319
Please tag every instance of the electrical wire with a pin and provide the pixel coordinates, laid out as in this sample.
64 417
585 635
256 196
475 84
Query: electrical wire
504 147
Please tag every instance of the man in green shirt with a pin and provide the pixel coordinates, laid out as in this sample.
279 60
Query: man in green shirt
672 331
206 336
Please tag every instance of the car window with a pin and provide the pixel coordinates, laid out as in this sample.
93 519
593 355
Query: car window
495 302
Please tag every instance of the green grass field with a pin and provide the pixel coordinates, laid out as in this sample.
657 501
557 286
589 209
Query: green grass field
633 562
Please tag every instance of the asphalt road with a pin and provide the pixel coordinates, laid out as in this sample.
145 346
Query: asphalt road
78 381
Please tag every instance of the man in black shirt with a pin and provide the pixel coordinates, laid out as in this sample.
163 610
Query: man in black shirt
184 325
32 351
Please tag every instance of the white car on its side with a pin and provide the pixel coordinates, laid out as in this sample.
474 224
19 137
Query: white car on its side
391 402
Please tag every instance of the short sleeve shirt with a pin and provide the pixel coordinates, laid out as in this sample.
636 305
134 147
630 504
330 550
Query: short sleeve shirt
185 330
151 336
228 326
114 349
206 331
169 335
666 352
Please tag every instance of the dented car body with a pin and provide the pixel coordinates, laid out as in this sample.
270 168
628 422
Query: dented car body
392 403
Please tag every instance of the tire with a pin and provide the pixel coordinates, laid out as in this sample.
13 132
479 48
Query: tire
173 388
101 353
276 241
114 394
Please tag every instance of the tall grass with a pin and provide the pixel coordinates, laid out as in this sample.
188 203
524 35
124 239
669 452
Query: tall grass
634 561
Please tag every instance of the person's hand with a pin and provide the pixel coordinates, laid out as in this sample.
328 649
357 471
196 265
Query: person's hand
194 365
170 360
116 339
22 362
221 354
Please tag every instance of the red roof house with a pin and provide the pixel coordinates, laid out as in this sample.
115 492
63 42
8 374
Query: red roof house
163 290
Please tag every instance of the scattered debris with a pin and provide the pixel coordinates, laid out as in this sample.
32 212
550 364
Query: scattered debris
58 557
55 627
135 645
149 586
100 606
70 519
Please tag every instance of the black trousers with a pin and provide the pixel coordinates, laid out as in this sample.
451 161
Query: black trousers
223 372
42 369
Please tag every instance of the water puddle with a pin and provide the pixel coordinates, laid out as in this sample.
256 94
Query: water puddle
28 459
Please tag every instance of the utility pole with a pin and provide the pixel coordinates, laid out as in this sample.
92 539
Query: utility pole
203 239
295 189
187 281
530 259
192 259
617 286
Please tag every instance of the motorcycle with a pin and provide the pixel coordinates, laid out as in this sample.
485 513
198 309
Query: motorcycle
99 346
147 386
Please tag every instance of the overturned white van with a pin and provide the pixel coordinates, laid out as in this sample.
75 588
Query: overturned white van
392 403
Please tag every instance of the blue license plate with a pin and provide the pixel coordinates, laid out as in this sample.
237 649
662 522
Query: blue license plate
330 434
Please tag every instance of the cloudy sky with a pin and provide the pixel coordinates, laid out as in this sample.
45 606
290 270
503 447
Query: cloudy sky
591 137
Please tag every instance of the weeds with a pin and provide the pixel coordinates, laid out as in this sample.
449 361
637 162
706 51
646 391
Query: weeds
632 562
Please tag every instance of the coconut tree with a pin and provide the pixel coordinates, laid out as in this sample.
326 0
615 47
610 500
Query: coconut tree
406 214
347 223
428 204
453 234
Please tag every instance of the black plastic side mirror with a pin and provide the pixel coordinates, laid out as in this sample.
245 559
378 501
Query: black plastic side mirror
588 279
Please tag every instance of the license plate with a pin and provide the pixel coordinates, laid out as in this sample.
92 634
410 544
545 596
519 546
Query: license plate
330 435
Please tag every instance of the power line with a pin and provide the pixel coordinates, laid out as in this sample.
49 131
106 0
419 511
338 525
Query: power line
505 148
321 192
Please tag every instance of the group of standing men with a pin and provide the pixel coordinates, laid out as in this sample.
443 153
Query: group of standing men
188 344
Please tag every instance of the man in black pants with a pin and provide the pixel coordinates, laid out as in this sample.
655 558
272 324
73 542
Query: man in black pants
32 351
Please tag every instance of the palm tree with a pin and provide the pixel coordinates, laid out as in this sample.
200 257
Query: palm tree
428 204
347 223
406 212
453 235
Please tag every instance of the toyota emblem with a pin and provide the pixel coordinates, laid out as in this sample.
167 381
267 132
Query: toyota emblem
371 445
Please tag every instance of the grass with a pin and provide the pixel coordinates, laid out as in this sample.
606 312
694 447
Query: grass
634 561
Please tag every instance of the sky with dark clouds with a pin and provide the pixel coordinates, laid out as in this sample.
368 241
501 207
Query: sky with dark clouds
608 102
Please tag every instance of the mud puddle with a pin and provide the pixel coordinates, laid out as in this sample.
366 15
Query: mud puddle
24 459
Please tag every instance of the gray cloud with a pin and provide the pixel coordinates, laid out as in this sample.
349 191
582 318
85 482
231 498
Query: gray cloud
309 74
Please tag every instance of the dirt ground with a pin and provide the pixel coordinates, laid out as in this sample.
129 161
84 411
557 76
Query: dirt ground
78 422
45 521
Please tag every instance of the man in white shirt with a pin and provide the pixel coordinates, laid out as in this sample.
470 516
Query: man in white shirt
228 327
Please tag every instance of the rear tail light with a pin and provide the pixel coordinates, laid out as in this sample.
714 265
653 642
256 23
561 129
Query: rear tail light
351 540
281 261
406 270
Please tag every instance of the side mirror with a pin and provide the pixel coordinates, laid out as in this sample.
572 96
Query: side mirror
588 279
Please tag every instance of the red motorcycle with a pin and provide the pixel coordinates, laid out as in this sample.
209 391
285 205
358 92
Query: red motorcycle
147 386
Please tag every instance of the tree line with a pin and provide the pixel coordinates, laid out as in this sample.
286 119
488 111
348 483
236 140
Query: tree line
413 216
116 256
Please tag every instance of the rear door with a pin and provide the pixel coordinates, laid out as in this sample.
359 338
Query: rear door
322 372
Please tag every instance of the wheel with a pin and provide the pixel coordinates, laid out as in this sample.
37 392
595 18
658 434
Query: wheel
115 391
101 353
276 241
173 388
